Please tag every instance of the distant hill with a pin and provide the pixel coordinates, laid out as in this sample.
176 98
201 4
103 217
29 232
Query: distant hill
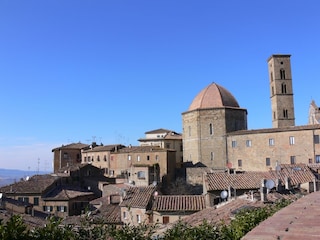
9 176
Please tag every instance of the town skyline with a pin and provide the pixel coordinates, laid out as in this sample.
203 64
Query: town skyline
109 71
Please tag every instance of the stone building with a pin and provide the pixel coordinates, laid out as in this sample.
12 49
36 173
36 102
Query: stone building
215 128
67 155
165 138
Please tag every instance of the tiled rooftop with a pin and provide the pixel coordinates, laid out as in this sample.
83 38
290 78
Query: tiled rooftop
71 146
297 173
169 203
299 220
66 193
138 197
36 184
273 130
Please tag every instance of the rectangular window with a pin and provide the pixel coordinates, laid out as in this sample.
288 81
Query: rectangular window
291 140
148 158
239 163
138 218
65 155
124 215
316 139
317 158
61 209
212 156
165 219
168 145
85 159
271 142
268 162
234 143
248 143
36 201
129 157
157 157
47 208
292 159
138 158
141 175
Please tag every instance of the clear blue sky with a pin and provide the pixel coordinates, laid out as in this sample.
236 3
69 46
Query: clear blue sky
79 70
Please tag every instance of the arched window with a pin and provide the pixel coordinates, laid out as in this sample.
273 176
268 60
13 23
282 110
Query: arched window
283 88
282 74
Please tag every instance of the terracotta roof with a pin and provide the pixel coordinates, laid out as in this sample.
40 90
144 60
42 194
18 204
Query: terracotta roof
170 203
213 96
110 213
273 130
36 184
110 148
66 193
140 149
71 146
160 130
297 173
247 180
138 197
299 220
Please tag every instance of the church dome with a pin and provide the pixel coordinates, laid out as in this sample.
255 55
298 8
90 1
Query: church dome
213 96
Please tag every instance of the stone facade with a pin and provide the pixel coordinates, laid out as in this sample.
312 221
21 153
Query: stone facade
281 91
205 131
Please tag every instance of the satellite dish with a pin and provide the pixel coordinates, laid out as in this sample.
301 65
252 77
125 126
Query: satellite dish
270 184
224 194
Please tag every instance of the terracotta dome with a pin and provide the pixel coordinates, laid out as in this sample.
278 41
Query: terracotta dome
213 96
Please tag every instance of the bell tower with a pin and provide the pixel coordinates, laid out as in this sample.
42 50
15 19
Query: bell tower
281 91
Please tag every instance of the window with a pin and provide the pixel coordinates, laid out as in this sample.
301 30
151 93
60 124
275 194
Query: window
157 157
210 129
239 163
285 113
85 159
65 155
316 139
47 208
282 74
148 158
98 158
36 201
274 115
317 158
268 163
23 199
138 218
292 159
234 144
212 156
271 76
138 158
61 209
248 143
92 158
89 159
165 219
124 215
129 157
310 160
272 90
291 140
141 175
167 145
111 172
189 129
283 88
271 142
105 158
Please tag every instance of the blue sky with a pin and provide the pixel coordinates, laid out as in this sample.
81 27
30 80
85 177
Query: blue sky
109 71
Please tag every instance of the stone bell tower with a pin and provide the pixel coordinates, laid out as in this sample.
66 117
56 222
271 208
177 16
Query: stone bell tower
281 91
